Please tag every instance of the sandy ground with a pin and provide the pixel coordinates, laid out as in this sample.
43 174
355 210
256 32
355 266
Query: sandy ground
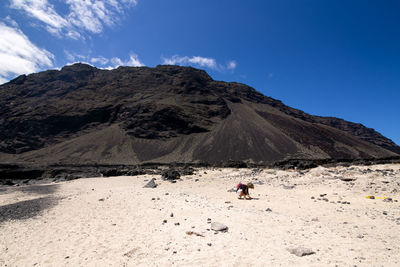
116 222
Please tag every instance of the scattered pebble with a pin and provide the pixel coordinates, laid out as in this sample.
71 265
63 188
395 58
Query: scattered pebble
216 226
300 251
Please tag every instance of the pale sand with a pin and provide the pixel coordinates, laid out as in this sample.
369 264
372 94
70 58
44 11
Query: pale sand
127 229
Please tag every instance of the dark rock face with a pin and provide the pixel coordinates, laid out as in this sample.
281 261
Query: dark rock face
85 115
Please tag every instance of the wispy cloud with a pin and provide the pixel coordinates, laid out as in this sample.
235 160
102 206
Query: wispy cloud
132 61
196 60
106 63
18 55
204 62
231 65
99 60
83 16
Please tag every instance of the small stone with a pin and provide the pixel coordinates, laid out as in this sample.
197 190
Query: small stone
171 215
216 226
165 221
384 213
360 236
209 244
151 184
101 199
268 210
312 197
196 180
177 224
300 252
288 186
153 198
347 179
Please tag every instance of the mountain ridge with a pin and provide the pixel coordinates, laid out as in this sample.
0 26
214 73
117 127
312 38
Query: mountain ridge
165 114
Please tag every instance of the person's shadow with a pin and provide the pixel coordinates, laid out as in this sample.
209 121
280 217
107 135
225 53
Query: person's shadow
253 198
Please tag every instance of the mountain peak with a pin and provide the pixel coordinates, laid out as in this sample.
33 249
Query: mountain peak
165 114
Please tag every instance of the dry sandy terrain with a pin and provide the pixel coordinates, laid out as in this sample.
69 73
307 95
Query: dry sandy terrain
116 222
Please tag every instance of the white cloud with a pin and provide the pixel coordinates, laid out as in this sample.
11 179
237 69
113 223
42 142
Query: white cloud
196 60
3 80
43 11
18 55
199 61
83 16
133 61
101 60
73 57
231 65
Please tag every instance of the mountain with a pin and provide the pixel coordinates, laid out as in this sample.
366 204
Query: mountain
131 115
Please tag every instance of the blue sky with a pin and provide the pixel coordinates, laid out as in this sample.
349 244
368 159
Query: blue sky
329 58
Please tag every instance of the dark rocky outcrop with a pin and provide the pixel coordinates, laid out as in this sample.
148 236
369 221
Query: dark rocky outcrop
170 174
168 114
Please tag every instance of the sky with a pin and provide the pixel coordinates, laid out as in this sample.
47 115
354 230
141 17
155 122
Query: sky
338 58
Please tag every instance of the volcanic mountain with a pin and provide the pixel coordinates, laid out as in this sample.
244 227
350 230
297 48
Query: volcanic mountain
132 115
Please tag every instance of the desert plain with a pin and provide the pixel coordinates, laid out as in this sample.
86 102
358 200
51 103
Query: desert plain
319 217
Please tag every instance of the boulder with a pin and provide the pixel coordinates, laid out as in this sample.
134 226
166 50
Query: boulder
151 184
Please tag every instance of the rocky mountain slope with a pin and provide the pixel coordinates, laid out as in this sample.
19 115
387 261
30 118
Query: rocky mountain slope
132 115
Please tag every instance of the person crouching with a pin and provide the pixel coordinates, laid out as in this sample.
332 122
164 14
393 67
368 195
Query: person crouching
243 190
